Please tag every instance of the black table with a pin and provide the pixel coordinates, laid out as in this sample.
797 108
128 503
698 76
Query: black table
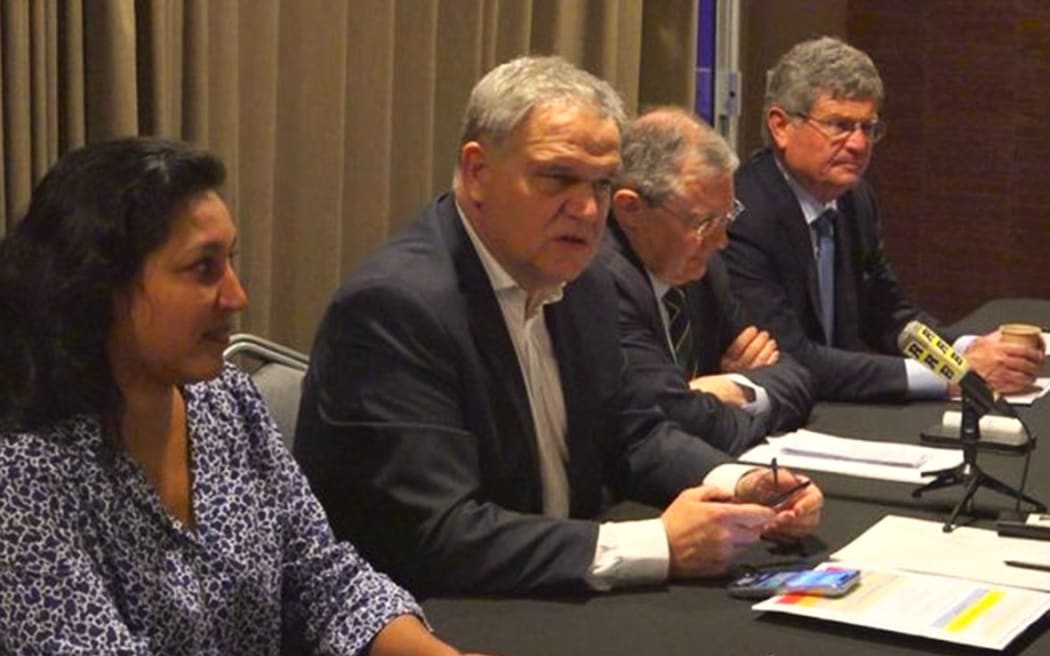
700 618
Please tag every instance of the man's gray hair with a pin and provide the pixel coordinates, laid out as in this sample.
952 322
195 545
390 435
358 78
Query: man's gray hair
503 98
824 66
665 142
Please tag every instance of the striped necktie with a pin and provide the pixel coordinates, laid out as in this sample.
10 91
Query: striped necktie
824 227
680 331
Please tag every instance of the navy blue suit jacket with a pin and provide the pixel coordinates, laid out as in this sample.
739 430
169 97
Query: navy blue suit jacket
416 434
774 274
716 319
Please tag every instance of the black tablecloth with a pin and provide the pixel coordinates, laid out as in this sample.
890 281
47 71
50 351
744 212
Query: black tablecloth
700 618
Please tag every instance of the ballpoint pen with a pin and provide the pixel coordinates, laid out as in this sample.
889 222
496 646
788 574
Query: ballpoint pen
785 496
1042 567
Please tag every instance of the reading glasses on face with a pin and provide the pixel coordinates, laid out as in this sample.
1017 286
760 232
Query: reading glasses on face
837 128
706 225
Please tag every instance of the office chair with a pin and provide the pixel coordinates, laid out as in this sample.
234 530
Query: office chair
278 373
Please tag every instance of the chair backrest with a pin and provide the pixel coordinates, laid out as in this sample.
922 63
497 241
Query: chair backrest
278 373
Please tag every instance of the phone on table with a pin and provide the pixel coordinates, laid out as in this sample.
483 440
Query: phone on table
828 582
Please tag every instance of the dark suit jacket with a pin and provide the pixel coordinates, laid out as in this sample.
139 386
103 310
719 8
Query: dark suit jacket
716 319
416 433
774 274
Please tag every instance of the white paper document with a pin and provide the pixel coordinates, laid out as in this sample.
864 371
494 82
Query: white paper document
1042 386
891 461
942 608
1039 390
919 545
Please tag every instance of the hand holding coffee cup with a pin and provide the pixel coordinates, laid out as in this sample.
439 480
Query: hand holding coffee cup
1009 359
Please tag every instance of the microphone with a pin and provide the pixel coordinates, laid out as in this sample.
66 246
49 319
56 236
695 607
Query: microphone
922 344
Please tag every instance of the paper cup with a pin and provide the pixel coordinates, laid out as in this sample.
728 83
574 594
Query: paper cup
1024 333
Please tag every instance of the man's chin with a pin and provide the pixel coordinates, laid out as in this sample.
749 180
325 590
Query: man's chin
568 269
686 276
847 176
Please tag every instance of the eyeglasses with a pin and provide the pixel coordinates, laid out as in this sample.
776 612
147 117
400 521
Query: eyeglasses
839 129
706 225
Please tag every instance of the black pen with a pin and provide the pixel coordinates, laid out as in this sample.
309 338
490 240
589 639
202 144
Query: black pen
786 495
1042 567
773 466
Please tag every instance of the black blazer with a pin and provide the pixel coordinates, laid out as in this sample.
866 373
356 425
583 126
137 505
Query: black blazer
716 319
774 274
416 433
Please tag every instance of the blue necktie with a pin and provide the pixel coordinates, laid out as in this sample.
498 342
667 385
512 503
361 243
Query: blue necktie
824 228
680 331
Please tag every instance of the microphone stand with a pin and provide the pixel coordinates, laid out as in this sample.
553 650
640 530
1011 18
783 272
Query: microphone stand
969 474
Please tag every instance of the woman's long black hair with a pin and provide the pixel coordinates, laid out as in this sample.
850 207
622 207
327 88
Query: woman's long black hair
91 222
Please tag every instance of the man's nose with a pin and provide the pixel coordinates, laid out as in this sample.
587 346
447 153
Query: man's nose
588 202
859 140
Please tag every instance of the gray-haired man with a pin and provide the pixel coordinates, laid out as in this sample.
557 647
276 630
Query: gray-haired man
806 256
708 366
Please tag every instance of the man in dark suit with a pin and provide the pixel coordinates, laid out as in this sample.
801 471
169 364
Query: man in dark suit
713 372
806 256
467 409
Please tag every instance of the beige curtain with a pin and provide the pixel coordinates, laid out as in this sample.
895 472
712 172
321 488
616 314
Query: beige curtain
337 119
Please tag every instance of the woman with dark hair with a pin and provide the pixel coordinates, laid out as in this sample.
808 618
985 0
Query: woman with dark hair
147 504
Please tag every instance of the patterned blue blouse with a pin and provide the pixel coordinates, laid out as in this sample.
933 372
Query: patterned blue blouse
91 562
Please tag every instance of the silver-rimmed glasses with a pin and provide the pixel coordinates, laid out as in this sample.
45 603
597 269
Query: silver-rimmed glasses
838 128
702 225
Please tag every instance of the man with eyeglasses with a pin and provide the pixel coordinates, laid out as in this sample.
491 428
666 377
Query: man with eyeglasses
806 256
707 366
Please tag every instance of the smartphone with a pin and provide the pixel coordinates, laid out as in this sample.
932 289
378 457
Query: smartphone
828 582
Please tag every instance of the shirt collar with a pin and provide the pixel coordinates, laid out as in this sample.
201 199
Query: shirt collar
811 207
501 281
659 286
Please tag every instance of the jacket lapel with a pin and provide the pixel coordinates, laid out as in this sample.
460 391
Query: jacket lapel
705 318
627 267
795 232
509 398
846 302
567 323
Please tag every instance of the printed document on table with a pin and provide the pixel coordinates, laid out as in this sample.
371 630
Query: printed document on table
920 545
1038 390
891 461
942 608
1042 386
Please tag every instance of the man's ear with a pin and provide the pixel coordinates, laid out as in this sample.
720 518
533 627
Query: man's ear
627 207
779 123
474 171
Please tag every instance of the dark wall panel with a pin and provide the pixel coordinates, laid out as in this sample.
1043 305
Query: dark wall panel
964 174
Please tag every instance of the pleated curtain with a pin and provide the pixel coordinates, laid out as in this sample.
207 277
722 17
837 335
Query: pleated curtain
337 119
